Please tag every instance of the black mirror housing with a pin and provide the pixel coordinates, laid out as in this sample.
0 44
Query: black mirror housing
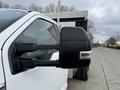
73 40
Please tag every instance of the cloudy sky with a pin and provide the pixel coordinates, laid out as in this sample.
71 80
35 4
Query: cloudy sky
104 13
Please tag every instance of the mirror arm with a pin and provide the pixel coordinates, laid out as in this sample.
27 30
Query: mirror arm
31 47
22 48
46 63
30 63
40 47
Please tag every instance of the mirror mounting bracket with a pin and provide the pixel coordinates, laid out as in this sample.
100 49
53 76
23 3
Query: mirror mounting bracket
31 63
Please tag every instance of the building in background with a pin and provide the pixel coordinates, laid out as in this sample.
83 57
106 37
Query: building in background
75 18
72 19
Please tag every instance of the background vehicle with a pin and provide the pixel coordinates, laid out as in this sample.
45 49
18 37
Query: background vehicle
74 19
31 48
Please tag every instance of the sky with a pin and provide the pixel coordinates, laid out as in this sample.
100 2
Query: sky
105 14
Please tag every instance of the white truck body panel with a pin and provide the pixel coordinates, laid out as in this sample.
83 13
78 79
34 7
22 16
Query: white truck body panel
67 24
2 81
39 78
82 13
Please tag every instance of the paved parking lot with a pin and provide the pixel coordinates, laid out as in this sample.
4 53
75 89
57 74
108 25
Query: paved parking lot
104 71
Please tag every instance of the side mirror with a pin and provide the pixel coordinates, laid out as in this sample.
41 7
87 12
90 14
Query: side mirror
74 50
73 42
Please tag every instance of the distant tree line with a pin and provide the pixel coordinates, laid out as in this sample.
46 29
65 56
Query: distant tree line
91 29
113 39
4 5
34 7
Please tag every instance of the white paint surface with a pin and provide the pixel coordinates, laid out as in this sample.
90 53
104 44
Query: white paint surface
1 74
67 24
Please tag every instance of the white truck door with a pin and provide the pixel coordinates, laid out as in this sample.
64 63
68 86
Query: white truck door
39 78
2 82
67 24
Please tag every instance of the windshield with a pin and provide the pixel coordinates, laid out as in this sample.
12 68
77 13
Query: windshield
8 17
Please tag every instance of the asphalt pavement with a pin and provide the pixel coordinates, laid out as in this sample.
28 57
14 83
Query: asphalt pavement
104 73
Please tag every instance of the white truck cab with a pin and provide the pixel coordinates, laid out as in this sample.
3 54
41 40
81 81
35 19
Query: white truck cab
29 59
2 81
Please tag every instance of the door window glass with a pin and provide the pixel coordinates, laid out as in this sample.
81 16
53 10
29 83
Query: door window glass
39 32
